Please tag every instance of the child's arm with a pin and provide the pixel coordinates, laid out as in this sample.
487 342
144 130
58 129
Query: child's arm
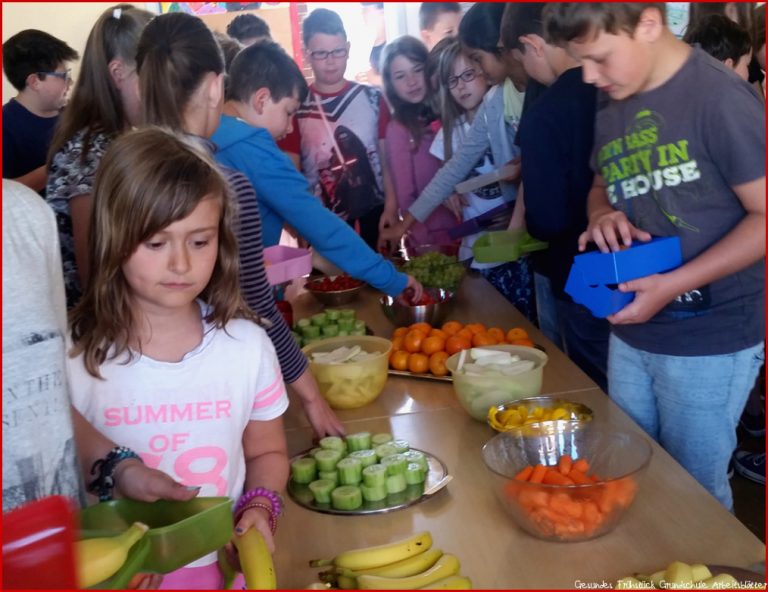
518 213
322 419
80 208
35 179
266 465
741 247
389 217
606 224
133 479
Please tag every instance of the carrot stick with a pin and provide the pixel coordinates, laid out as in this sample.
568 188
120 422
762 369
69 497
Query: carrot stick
579 478
565 464
524 474
538 474
582 465
555 477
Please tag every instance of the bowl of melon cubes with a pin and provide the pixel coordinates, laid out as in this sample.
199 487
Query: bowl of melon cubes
351 371
566 481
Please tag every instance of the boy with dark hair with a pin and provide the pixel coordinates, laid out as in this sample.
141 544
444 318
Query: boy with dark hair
555 138
438 20
265 89
679 151
723 39
339 133
37 65
248 29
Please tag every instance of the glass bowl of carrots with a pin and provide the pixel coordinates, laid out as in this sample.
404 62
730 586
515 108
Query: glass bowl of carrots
567 481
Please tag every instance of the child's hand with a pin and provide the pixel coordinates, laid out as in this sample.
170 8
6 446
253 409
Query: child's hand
606 228
257 518
136 481
392 233
652 293
455 203
388 218
322 418
413 290
514 176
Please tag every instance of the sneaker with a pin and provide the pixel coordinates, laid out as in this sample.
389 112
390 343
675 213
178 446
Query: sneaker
750 465
754 425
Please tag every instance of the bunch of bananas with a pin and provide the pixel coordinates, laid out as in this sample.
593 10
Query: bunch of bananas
408 564
100 558
679 576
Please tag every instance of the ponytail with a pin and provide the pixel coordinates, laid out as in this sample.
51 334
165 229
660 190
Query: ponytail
175 52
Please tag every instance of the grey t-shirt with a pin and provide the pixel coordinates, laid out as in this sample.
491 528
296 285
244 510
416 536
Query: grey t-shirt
669 158
39 457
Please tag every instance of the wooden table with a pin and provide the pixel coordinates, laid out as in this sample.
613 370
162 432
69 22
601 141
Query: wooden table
673 518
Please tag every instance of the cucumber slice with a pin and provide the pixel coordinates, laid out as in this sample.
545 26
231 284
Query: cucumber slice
332 314
396 484
414 474
357 332
383 450
359 441
327 459
301 323
346 324
310 332
373 494
330 330
350 471
347 497
330 476
304 469
360 325
347 313
401 445
319 319
332 443
366 457
414 456
343 333
321 490
375 475
381 438
395 464
313 452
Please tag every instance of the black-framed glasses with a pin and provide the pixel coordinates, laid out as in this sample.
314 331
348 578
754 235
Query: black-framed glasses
66 75
467 75
321 54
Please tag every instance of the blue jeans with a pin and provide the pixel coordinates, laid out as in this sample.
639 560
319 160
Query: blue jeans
689 405
546 310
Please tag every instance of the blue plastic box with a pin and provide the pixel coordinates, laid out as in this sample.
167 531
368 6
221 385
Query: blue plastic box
593 274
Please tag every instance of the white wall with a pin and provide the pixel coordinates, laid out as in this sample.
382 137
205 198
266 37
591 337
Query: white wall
69 21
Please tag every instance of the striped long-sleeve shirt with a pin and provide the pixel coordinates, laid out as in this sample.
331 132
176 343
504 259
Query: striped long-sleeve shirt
253 276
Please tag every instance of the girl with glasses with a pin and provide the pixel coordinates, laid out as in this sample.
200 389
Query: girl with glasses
409 137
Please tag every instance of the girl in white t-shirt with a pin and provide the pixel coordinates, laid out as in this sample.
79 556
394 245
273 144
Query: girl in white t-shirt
166 357
461 87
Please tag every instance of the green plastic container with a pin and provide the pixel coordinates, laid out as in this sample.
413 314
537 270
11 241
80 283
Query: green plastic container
179 532
505 245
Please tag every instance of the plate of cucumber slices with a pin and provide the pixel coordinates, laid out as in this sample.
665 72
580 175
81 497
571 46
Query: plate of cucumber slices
364 474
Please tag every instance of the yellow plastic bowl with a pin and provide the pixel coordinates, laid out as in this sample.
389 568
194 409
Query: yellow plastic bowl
351 384
477 394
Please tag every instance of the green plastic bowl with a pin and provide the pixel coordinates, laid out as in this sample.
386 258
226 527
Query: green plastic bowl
505 245
179 532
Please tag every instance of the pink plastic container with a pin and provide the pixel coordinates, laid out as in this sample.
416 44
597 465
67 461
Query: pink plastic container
286 263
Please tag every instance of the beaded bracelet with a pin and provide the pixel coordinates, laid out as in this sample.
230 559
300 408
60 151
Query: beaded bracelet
272 516
273 497
104 483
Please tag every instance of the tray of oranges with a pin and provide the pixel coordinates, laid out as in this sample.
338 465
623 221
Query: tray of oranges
420 350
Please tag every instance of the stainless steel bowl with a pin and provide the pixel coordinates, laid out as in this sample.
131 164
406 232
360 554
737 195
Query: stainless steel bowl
403 315
334 298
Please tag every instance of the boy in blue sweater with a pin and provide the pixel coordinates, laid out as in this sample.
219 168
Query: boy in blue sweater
265 90
679 151
555 137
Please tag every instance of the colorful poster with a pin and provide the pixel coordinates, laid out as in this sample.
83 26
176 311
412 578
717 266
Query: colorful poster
200 8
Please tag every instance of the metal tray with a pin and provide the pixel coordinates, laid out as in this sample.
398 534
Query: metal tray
426 375
437 477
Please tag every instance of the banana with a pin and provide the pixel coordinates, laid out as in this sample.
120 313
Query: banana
256 561
457 582
679 575
369 557
100 558
447 565
700 572
403 568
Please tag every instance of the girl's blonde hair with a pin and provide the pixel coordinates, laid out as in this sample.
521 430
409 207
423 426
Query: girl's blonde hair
450 111
96 105
147 180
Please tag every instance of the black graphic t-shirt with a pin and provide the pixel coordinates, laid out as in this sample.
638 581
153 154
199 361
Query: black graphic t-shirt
670 157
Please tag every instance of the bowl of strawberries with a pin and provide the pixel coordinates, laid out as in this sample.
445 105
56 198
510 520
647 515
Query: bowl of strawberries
334 290
433 307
